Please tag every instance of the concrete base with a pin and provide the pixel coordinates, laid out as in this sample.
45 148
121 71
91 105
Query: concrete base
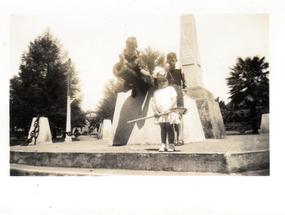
237 154
209 111
177 162
27 170
146 131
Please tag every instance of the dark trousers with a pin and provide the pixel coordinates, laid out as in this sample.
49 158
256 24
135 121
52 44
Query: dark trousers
167 131
180 99
180 103
177 130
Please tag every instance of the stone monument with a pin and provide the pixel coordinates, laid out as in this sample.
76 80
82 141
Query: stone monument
105 130
39 132
145 131
209 109
189 54
203 119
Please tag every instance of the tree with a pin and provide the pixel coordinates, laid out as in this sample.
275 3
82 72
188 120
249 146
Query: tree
249 87
16 103
105 108
41 87
151 58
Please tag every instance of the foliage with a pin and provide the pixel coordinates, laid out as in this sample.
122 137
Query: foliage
151 58
105 108
236 118
248 82
41 87
231 114
249 87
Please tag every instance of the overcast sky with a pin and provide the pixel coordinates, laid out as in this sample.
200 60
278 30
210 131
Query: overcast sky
94 43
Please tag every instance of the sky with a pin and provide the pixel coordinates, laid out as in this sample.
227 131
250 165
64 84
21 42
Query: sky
93 42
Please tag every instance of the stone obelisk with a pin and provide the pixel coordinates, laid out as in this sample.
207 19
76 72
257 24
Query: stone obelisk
209 110
189 54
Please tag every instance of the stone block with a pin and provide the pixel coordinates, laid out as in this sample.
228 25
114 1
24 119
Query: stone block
44 136
128 108
246 161
264 126
192 124
209 112
106 130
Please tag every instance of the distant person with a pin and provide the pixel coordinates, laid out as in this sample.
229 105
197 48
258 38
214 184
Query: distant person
177 80
164 99
76 133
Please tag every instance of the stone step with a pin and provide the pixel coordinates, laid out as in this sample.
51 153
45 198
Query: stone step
224 163
27 170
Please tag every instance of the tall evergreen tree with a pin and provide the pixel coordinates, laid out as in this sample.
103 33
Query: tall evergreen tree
41 87
105 108
249 87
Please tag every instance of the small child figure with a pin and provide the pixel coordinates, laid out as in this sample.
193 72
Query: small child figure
164 99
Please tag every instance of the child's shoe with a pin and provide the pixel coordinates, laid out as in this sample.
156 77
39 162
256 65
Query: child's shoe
179 143
162 148
170 147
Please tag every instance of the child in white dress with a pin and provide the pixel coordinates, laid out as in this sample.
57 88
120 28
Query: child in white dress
164 99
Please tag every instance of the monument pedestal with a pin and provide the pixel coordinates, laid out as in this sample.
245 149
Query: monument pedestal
146 131
209 112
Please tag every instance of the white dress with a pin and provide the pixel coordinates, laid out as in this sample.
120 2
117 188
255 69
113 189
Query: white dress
163 100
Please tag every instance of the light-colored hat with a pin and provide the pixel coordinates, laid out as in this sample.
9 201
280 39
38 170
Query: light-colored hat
159 73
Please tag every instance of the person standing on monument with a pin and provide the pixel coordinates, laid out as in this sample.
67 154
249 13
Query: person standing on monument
129 68
164 99
177 80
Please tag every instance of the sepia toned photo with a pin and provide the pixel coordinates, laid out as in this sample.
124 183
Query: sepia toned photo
145 95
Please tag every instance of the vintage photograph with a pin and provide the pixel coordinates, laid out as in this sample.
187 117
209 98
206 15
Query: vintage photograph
147 95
